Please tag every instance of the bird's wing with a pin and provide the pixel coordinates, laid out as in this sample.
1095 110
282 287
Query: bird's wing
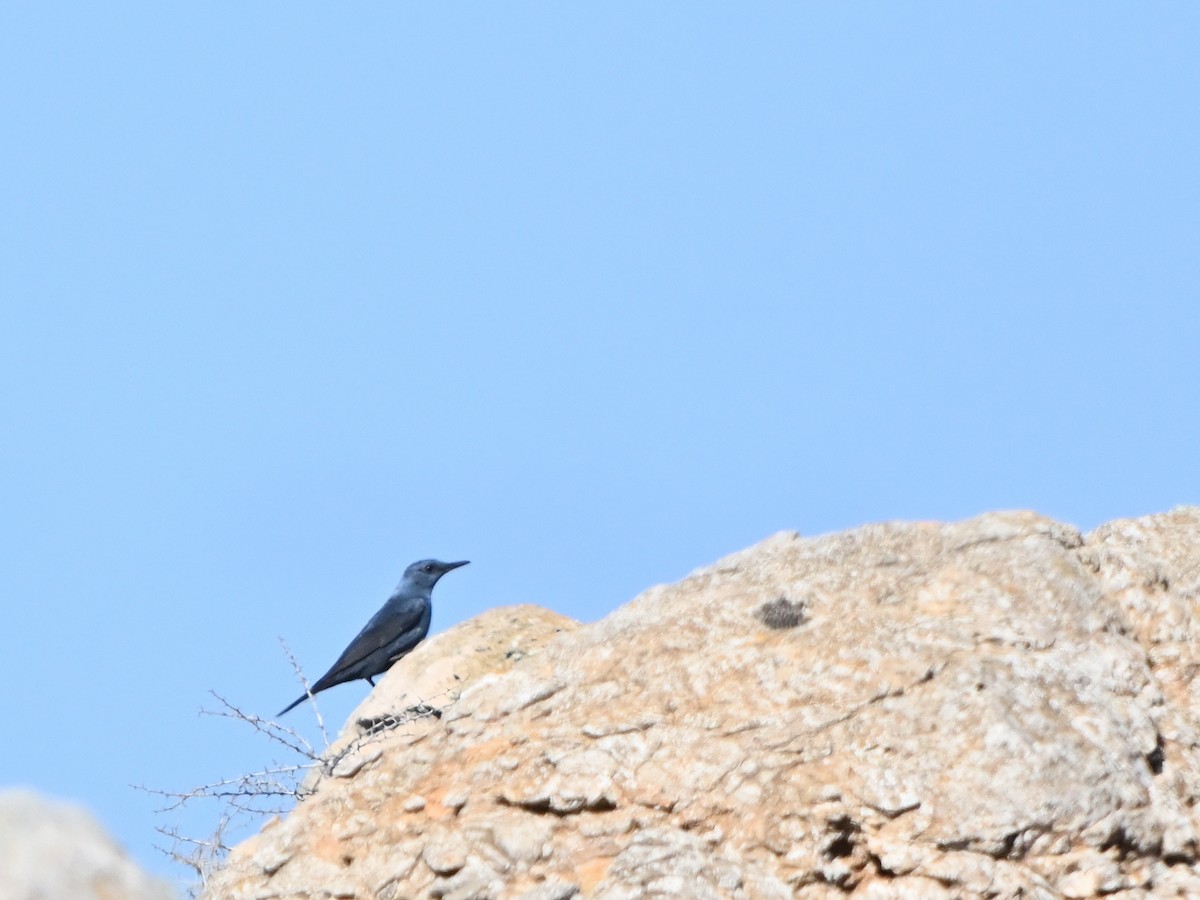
395 618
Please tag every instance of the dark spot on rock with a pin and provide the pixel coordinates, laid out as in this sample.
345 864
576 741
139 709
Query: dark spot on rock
845 832
1008 846
543 806
782 613
1119 840
1156 757
840 847
424 709
376 724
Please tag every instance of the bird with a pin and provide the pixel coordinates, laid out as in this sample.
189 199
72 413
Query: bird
401 623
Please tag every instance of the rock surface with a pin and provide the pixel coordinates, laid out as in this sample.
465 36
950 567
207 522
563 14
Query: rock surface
433 678
993 708
52 851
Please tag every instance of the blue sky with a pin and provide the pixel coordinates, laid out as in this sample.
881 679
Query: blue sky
591 295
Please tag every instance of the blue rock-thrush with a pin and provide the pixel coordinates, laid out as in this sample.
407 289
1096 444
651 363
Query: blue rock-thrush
399 626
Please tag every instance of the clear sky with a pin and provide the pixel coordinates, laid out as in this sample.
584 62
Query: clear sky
589 294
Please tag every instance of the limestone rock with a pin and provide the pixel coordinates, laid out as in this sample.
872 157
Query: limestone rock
414 694
993 708
52 851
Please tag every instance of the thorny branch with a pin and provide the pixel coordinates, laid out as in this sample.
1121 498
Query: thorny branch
271 790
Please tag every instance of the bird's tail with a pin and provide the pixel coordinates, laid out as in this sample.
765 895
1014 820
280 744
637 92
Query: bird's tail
292 705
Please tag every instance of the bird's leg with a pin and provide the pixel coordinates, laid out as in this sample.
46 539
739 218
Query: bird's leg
371 680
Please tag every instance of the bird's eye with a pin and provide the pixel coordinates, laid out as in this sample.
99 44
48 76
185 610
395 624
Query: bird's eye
427 567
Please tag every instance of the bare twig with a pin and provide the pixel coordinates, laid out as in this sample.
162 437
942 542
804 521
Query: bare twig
273 789
280 734
287 651
202 857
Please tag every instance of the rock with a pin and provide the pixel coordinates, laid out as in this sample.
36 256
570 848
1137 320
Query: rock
412 696
551 890
53 851
994 708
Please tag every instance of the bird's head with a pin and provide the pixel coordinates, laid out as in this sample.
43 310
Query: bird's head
426 572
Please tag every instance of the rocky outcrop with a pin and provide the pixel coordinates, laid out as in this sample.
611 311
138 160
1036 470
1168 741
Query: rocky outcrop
411 698
993 708
52 851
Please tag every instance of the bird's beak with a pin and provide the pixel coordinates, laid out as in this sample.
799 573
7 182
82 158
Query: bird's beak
454 565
